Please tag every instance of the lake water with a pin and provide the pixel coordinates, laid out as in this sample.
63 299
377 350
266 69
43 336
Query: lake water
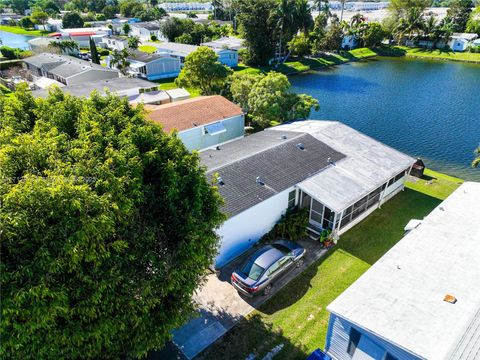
429 109
15 40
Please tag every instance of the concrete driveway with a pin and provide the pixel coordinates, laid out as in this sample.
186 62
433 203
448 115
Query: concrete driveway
220 306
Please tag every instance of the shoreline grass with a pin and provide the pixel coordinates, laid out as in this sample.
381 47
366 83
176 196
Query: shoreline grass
21 31
296 316
441 55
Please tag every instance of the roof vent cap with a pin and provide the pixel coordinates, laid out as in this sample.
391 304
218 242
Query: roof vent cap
220 181
260 181
450 299
284 137
301 146
218 147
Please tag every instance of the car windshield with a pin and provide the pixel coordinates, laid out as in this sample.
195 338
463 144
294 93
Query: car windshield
252 270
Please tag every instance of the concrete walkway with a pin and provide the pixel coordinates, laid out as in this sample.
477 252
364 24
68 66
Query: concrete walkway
220 306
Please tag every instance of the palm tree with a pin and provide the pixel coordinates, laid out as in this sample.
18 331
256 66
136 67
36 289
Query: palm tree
446 29
411 25
119 60
431 30
133 42
343 8
357 19
303 14
286 23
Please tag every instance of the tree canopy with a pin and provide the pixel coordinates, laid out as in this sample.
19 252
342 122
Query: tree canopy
107 228
72 20
268 100
203 71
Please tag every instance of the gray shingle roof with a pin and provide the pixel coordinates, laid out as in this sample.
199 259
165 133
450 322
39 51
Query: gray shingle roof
63 65
279 163
114 85
143 56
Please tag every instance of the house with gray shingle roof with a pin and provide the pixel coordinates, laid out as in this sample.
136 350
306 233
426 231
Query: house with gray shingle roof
66 69
334 171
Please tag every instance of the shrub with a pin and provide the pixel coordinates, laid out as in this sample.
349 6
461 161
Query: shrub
291 226
103 52
14 53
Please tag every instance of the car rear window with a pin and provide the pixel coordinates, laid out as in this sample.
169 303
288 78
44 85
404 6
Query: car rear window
282 248
252 270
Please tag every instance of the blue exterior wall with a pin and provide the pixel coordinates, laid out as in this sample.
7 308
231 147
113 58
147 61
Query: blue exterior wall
338 336
197 139
228 57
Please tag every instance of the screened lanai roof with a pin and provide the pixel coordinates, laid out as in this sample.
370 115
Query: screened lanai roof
368 163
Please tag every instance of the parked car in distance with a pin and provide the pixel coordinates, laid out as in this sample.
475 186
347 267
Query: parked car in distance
267 264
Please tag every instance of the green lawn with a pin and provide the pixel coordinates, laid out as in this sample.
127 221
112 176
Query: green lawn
297 316
21 31
442 55
168 84
304 64
147 48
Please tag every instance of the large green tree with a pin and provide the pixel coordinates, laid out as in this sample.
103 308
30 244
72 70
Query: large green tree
203 71
107 227
473 23
459 13
268 100
258 27
72 20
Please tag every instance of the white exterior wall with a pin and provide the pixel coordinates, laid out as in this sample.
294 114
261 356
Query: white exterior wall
370 347
197 139
145 34
114 44
458 44
242 231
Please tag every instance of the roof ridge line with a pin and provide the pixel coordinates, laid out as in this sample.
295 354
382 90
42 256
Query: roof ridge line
255 153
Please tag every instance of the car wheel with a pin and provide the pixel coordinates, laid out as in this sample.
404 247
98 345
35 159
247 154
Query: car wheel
267 289
299 263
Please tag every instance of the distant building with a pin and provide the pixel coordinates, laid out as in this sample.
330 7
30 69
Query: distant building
67 69
349 42
153 66
187 6
82 35
145 30
43 44
226 56
120 86
226 42
113 42
461 41
421 300
201 122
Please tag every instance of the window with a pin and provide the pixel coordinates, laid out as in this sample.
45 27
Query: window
291 199
252 270
389 356
215 128
353 341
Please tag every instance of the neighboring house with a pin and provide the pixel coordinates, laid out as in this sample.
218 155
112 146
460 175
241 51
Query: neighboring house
226 42
461 41
155 97
201 122
120 86
153 66
227 57
334 171
187 6
145 30
349 42
67 69
421 300
82 35
114 42
50 25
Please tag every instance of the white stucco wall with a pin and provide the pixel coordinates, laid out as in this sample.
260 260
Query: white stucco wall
242 231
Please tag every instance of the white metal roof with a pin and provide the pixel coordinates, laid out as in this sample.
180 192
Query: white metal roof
368 163
400 298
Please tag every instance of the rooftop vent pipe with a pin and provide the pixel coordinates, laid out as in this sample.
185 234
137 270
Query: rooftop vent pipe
260 181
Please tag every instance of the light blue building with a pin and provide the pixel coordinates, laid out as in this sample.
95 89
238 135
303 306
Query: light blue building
201 122
421 300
